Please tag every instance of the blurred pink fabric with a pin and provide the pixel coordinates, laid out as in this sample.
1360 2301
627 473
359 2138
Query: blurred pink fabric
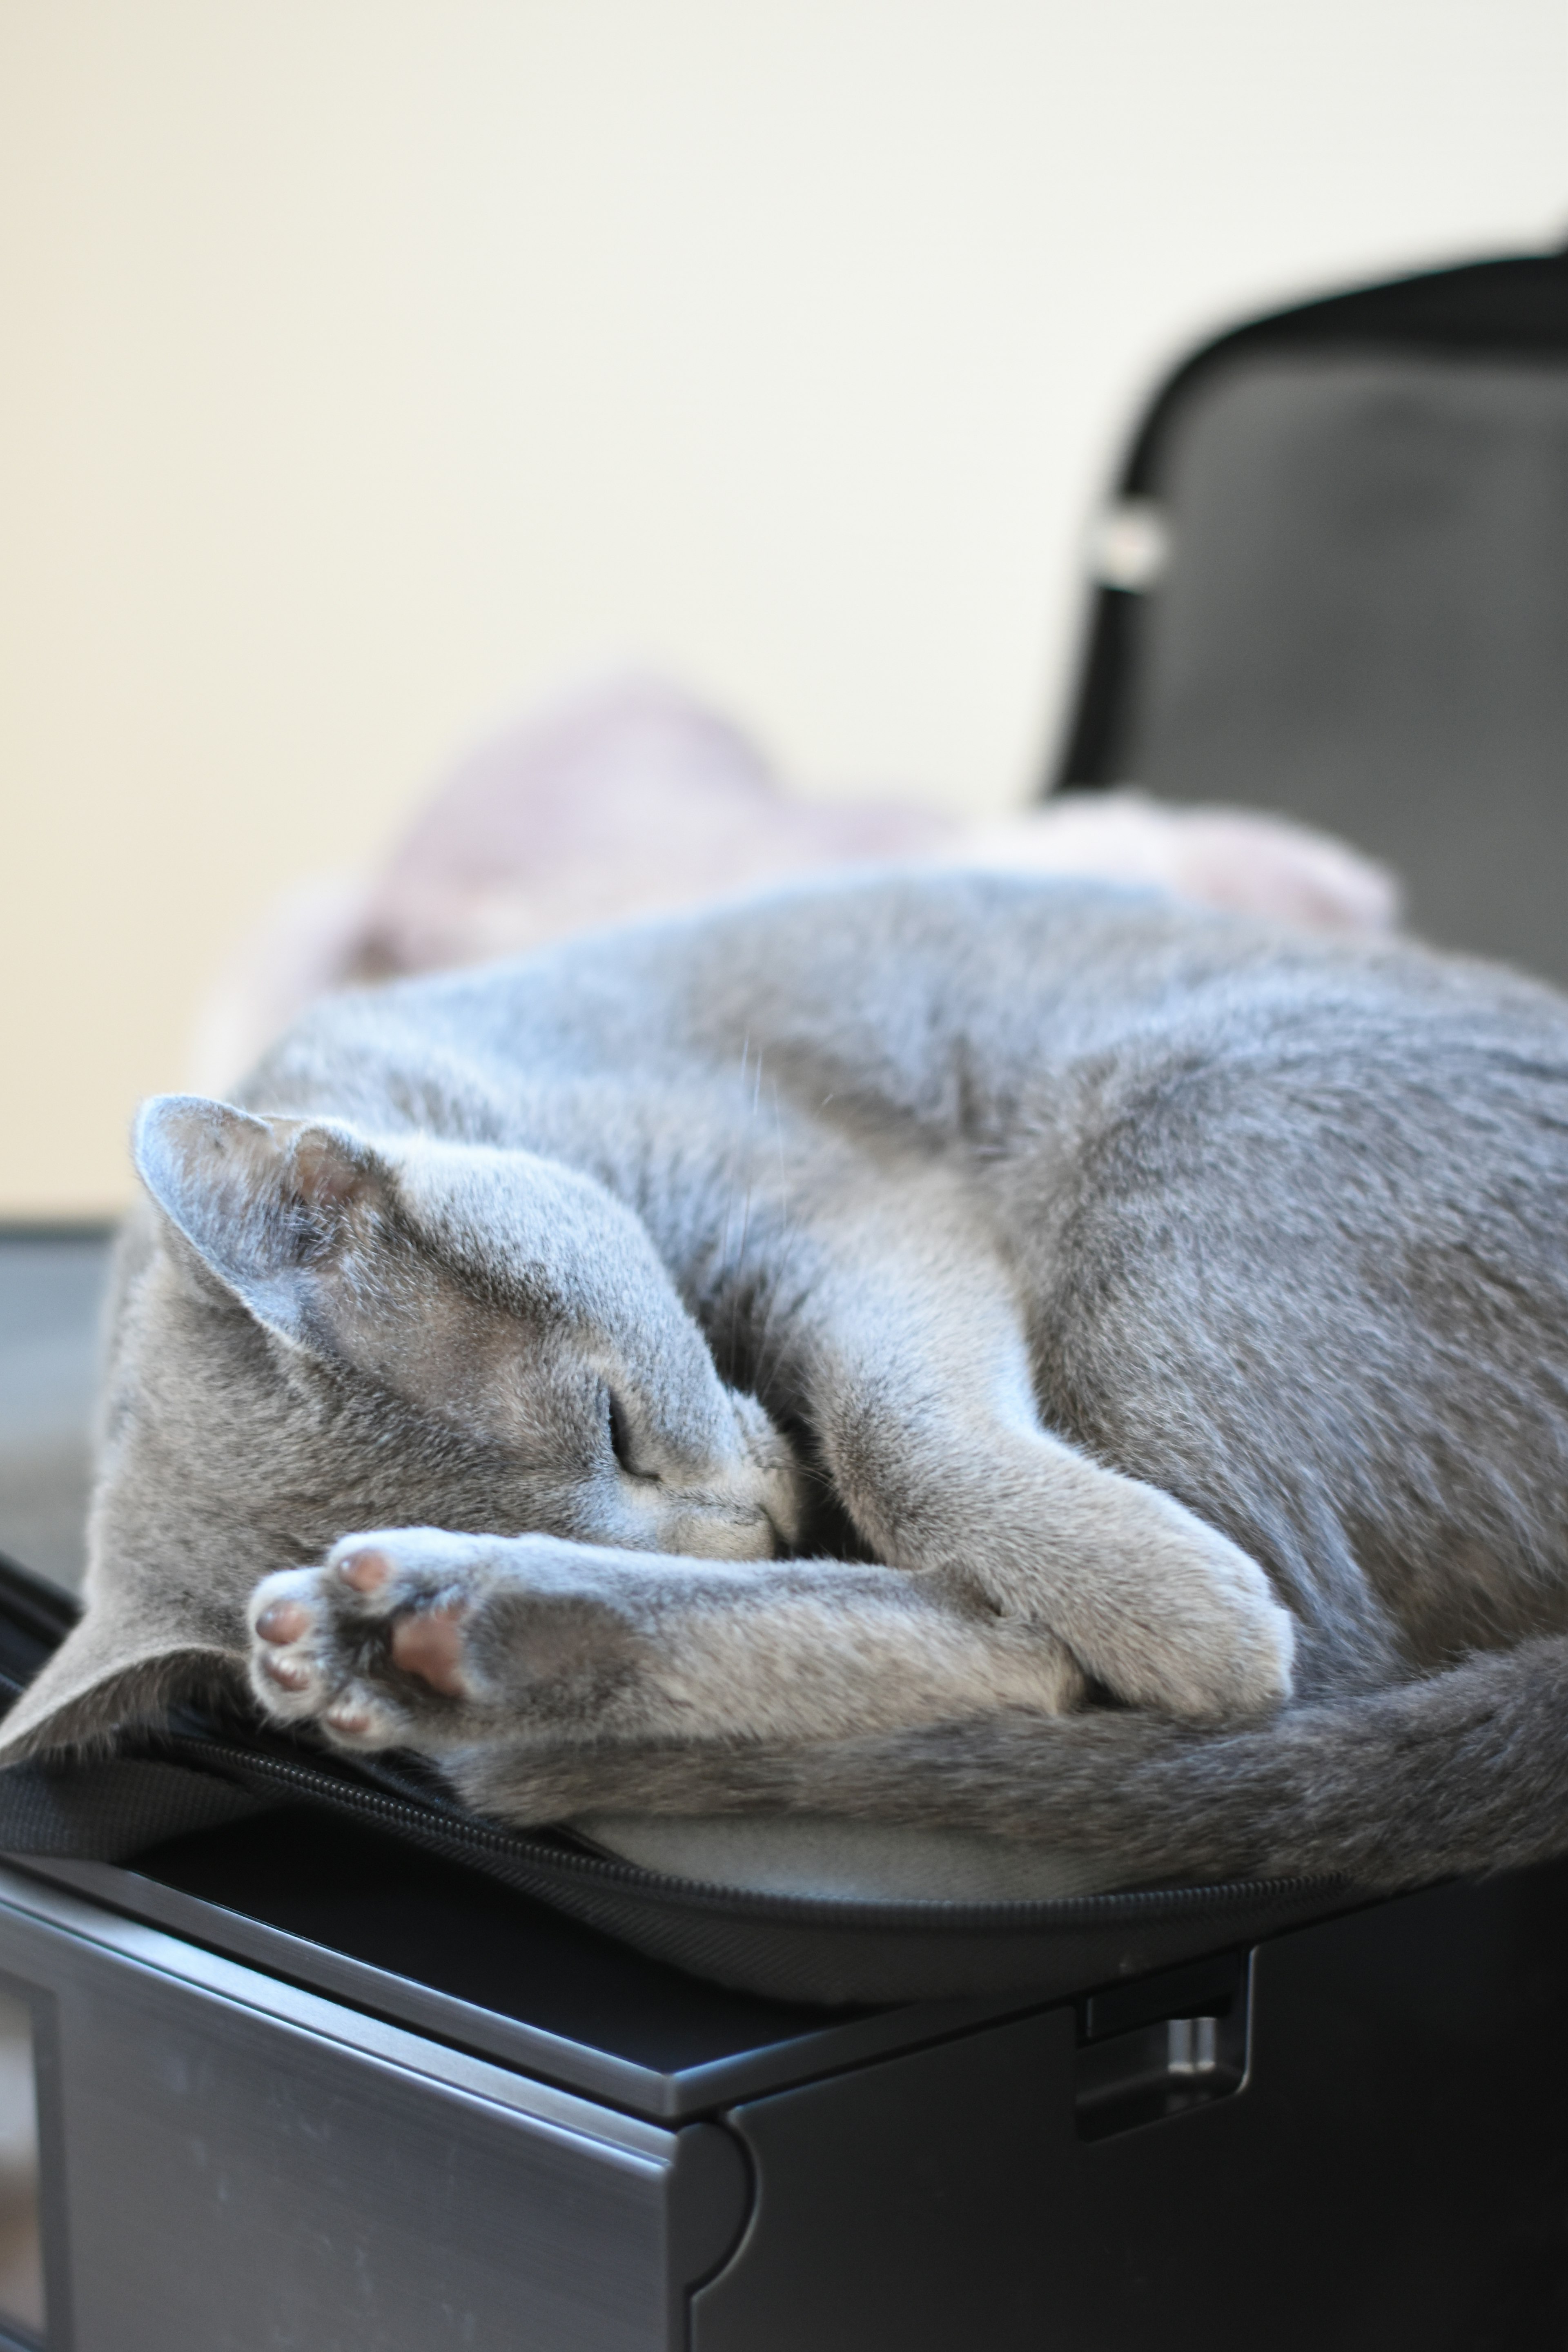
632 796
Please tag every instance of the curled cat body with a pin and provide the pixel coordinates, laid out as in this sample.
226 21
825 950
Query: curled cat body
1019 1355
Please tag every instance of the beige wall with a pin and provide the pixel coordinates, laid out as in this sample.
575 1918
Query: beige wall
368 364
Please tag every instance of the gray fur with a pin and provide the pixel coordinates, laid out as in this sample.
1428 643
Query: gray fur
815 1354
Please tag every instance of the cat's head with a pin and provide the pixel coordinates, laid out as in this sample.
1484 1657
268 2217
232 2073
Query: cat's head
321 1330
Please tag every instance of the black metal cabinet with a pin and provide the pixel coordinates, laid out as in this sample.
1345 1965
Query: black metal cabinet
286 2121
238 2163
1390 2170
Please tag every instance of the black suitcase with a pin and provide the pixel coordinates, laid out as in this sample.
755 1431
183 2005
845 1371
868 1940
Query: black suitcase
286 2068
1334 582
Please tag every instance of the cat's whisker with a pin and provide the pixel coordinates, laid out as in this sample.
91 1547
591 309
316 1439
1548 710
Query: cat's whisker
740 1266
738 1280
725 1273
788 1237
788 1231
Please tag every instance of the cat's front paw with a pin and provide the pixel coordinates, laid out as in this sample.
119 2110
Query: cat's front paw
1194 1628
413 1637
368 1646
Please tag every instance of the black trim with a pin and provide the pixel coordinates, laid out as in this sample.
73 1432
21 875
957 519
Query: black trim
1094 755
1515 309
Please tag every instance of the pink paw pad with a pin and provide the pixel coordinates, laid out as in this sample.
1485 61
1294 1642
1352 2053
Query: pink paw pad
365 1571
283 1620
431 1646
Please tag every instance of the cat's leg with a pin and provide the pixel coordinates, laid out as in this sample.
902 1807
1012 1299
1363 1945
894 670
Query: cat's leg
921 1397
417 1638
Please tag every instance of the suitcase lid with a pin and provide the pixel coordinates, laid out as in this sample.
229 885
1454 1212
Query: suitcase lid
1333 582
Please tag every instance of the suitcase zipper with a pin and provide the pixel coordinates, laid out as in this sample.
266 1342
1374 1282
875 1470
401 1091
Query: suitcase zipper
433 1824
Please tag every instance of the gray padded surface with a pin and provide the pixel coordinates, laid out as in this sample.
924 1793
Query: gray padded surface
797 1853
1365 624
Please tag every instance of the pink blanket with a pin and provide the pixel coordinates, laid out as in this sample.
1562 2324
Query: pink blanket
632 796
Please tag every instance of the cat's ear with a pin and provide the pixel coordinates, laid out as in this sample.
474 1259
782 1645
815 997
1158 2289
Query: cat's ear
275 1207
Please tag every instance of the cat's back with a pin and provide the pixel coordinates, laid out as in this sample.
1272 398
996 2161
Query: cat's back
931 997
873 973
985 997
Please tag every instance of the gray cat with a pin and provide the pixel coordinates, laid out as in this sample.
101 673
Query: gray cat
1015 1355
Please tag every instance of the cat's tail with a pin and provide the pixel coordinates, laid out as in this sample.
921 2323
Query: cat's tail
1465 1770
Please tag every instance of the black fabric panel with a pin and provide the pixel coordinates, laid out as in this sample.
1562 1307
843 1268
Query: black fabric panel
1515 308
110 1810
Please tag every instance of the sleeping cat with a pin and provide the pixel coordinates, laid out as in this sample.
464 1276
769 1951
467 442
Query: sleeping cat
968 1350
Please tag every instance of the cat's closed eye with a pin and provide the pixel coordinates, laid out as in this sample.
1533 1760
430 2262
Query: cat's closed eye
621 1444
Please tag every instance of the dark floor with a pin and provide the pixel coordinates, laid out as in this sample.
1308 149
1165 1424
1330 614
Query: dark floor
51 1293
